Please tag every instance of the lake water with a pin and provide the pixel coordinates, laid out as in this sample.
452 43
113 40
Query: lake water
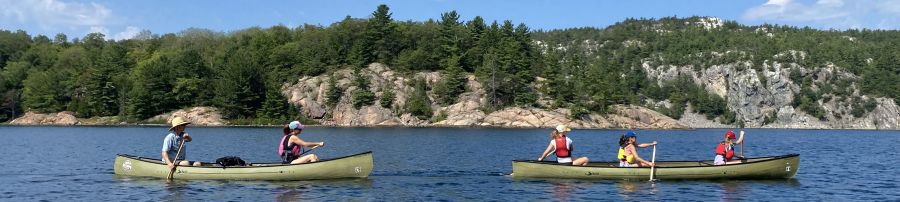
427 164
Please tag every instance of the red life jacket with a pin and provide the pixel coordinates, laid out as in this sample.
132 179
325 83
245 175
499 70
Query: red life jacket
562 150
726 151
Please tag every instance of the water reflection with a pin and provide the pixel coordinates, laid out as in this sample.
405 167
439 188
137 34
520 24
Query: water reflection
730 190
174 191
561 190
633 189
289 193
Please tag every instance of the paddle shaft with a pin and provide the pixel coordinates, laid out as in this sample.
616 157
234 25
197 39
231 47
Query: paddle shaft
175 161
653 161
307 151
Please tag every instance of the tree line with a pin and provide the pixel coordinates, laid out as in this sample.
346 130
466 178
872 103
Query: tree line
584 69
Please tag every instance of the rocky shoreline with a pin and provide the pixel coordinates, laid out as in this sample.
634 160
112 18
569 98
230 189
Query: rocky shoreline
751 100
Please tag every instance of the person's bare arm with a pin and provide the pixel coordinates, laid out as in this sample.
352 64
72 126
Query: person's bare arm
647 144
296 140
740 138
546 152
165 159
638 157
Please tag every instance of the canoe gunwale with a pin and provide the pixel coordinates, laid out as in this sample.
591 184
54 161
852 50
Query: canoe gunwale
269 164
770 158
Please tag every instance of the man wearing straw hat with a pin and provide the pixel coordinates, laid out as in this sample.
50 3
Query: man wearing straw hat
173 142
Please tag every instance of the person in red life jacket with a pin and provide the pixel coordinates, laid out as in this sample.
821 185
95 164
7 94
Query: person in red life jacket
289 147
562 147
630 157
725 150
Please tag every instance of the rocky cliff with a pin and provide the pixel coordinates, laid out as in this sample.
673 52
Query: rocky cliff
308 93
755 94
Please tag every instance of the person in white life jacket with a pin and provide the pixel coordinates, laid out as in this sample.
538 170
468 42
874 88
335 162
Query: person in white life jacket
562 147
725 149
289 146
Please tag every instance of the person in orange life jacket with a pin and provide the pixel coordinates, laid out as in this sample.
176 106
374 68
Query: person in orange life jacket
173 141
562 147
629 152
626 159
289 147
725 149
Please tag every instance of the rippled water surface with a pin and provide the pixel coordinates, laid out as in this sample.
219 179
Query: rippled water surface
63 163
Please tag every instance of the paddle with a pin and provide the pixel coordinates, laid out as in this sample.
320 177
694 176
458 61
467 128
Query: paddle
653 161
175 162
307 151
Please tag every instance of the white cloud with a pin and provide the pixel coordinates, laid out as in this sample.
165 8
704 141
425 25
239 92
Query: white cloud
837 14
99 29
129 33
55 15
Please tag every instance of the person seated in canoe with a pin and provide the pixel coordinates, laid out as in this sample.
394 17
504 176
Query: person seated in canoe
289 149
562 147
173 142
628 156
725 150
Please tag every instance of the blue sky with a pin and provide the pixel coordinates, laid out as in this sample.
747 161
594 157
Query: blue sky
123 19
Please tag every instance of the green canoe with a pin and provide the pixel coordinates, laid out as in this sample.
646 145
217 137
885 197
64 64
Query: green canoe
773 167
353 166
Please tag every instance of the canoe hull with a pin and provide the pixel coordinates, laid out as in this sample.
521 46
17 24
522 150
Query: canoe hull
354 166
778 167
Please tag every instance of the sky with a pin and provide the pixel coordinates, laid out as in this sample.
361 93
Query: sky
118 19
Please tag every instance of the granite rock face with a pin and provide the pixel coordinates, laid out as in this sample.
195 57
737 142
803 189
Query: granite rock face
755 93
308 94
32 118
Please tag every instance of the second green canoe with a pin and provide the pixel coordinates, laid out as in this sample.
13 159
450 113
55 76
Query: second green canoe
774 167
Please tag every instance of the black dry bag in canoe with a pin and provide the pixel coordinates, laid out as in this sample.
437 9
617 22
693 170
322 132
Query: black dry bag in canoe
231 161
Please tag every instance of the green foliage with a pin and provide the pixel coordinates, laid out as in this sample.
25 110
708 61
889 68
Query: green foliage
439 117
42 91
418 104
387 96
334 93
380 37
275 106
452 84
770 118
239 87
861 107
149 95
585 69
362 96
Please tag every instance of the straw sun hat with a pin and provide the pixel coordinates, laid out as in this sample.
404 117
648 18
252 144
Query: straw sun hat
177 121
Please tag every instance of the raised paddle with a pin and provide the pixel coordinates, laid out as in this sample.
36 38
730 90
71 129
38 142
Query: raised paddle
175 162
653 161
743 159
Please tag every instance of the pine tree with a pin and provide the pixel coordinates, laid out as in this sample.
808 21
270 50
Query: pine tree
387 96
379 37
362 96
452 84
102 93
334 93
419 105
239 88
275 105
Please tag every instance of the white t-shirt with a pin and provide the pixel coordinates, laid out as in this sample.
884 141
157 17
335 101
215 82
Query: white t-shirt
568 146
